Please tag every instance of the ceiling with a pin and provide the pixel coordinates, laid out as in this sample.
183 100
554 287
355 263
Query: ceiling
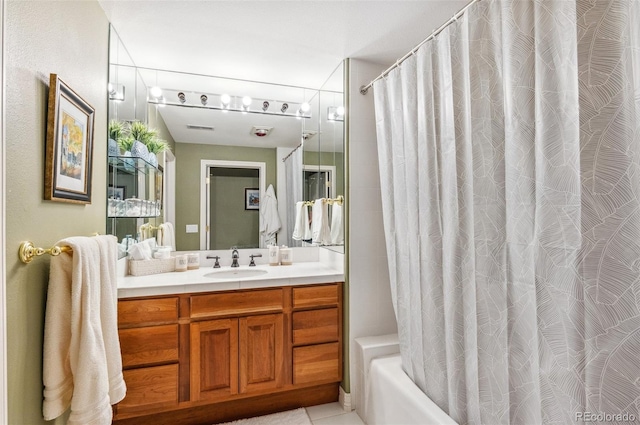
296 43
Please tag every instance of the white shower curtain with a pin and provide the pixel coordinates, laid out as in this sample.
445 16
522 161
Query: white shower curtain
293 174
509 152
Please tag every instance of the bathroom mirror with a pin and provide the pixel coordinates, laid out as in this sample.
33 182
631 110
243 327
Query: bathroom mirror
323 161
237 152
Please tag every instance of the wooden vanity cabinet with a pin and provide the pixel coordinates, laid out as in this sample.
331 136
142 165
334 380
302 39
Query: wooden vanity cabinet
149 344
219 356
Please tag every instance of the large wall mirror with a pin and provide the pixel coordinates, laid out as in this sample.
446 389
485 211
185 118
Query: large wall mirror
232 142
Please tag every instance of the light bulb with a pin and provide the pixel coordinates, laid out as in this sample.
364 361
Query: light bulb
225 99
156 92
284 108
246 101
305 107
204 99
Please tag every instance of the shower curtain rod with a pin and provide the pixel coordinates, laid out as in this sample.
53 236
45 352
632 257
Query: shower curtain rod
291 153
365 89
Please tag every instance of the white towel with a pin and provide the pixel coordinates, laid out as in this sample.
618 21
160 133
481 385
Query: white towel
337 229
166 235
270 219
320 233
301 231
82 365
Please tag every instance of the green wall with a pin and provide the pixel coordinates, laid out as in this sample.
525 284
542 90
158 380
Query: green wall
188 157
70 39
231 224
156 122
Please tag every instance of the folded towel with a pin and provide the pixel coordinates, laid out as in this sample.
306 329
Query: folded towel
301 230
320 233
269 217
337 229
82 366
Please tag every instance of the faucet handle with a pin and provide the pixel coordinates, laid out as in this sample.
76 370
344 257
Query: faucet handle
217 264
253 263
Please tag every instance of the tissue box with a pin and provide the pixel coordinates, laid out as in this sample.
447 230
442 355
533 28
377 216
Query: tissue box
155 266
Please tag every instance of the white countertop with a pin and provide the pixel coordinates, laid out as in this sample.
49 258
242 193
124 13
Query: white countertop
195 280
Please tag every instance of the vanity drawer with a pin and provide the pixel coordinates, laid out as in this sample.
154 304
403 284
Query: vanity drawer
147 311
316 364
315 296
150 387
237 303
315 326
149 345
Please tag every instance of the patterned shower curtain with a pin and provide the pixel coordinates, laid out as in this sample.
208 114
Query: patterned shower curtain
509 152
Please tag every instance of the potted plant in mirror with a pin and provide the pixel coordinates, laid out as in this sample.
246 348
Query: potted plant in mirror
155 147
116 132
141 136
126 144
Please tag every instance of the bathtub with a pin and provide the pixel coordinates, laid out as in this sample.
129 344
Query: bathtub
387 395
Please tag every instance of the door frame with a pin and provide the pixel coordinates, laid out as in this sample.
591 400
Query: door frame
3 236
205 165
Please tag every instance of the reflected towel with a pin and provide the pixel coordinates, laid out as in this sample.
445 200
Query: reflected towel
337 229
320 233
166 235
270 219
82 365
301 230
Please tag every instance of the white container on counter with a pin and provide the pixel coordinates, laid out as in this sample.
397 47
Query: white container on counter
286 256
274 255
181 263
193 261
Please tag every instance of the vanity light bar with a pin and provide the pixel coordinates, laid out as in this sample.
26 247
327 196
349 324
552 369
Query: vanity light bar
230 103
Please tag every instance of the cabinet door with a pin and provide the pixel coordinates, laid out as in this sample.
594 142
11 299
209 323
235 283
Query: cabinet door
214 359
261 352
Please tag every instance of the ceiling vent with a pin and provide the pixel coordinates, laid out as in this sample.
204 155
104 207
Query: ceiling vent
306 135
200 127
261 131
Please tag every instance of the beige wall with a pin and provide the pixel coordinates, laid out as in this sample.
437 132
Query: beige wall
69 39
188 157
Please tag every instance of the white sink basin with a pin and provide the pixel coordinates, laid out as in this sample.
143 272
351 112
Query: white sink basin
235 274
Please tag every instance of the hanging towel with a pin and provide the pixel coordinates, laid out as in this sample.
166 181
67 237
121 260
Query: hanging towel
166 235
301 230
320 233
337 230
82 365
270 219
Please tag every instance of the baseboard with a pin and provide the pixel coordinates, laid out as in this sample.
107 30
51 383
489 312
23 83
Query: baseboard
345 400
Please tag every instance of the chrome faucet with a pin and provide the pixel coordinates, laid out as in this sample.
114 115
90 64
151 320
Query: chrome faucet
234 257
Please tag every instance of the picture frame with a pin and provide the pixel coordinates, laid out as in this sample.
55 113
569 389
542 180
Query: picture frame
116 192
251 198
69 145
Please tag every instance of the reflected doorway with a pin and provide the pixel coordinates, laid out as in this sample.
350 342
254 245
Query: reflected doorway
225 218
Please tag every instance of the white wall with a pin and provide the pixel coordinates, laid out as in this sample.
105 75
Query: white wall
370 309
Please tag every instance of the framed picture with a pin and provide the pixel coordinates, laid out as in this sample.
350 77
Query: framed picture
116 192
251 198
69 145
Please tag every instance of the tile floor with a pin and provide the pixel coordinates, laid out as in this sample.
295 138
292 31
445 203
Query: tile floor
332 414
